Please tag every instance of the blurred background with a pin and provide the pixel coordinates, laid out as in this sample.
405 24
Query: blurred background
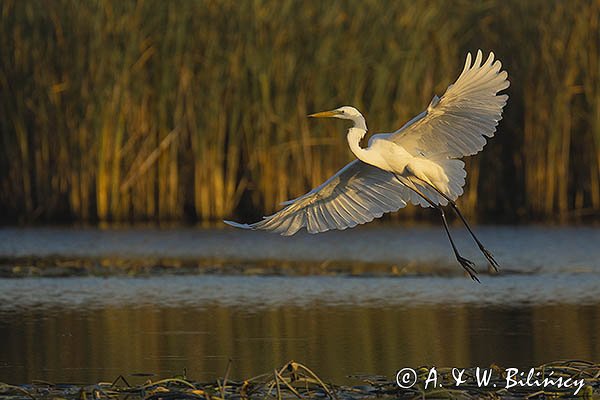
195 111
130 129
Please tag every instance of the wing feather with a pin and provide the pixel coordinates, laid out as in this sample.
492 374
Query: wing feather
356 194
459 122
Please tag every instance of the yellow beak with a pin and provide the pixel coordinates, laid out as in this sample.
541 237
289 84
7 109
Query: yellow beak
325 114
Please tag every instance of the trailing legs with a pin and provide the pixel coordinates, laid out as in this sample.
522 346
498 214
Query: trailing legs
488 255
467 265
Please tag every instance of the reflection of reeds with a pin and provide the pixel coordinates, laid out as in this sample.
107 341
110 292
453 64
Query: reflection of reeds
159 110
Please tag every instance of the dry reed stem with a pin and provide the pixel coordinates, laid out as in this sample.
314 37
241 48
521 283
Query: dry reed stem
90 91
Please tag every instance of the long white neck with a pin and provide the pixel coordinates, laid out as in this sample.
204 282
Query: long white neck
355 135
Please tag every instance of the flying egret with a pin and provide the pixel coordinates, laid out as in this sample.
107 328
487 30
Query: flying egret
419 163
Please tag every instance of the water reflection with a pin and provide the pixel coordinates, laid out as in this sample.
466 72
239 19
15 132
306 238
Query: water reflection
89 329
70 335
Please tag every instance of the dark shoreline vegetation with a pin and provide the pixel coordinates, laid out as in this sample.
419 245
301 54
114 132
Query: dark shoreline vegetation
160 111
297 381
61 267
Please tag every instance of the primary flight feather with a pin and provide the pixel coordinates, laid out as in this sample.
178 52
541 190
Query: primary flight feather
419 163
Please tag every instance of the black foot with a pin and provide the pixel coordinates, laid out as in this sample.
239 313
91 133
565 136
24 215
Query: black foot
468 266
490 259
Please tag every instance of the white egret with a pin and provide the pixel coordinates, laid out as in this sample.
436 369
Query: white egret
419 163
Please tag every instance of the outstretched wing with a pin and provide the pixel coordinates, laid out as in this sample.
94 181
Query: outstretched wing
457 124
356 194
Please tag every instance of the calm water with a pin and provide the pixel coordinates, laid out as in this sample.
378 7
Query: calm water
88 329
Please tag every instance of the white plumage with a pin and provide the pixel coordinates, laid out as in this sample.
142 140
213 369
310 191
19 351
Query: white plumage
416 164
468 112
357 194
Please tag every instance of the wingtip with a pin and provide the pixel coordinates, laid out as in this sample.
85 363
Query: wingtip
478 58
237 224
490 60
468 60
481 64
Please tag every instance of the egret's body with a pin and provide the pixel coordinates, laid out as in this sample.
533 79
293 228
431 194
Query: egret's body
419 163
383 153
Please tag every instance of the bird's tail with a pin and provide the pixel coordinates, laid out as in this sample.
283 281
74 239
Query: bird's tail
455 171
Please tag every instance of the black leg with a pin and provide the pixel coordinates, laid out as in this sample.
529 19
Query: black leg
467 265
488 255
485 251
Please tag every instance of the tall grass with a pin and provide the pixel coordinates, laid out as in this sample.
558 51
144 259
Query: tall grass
163 110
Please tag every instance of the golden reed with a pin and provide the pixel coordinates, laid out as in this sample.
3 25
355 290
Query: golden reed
196 110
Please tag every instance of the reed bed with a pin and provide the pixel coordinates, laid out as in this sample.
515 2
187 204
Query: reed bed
296 381
196 110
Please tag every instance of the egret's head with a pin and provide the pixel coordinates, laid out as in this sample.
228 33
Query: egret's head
345 112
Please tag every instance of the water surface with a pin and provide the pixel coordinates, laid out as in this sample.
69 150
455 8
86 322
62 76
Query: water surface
88 329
